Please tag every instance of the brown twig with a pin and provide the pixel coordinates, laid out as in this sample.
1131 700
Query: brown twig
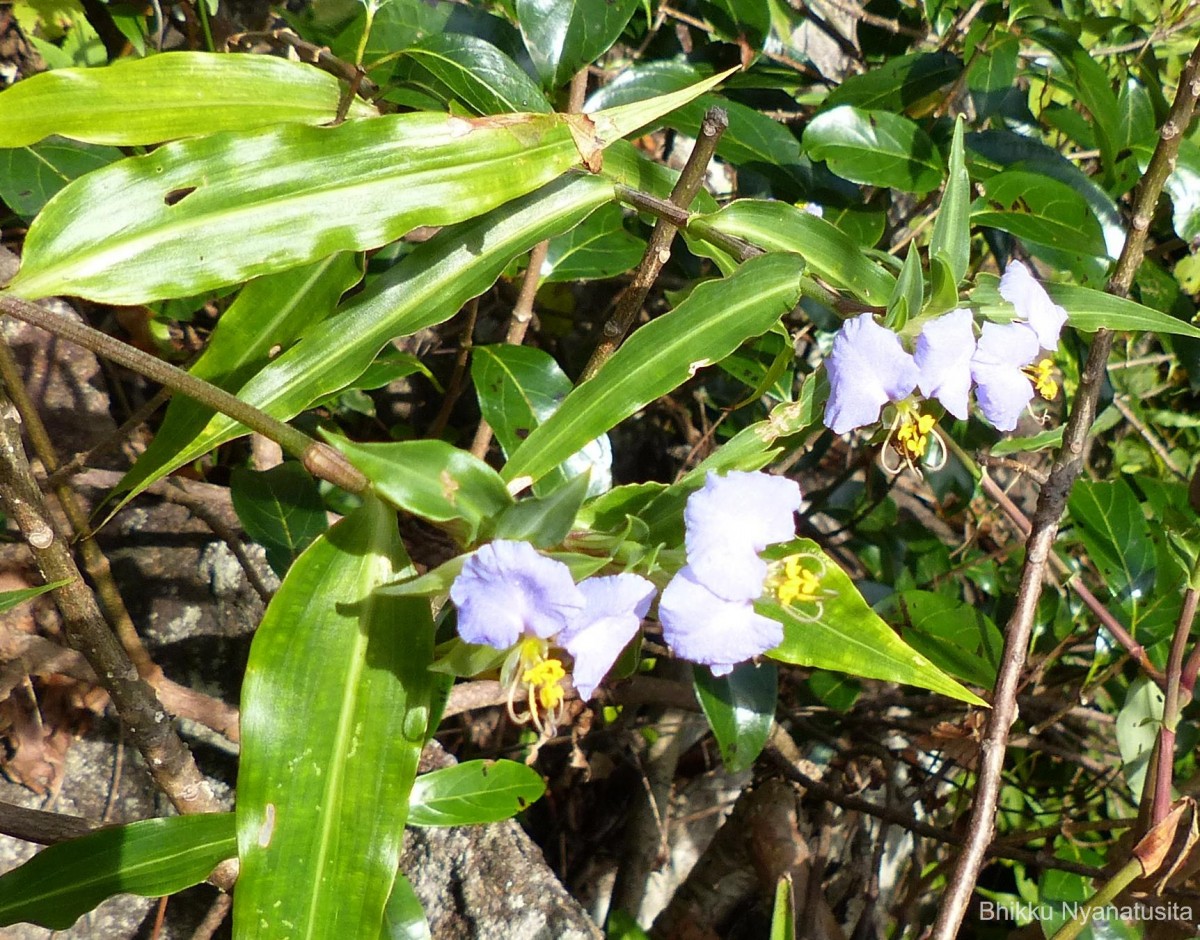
40 827
1163 768
1051 502
149 726
319 458
658 247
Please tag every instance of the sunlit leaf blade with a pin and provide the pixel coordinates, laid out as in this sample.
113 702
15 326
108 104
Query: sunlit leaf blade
281 509
427 287
433 480
403 918
472 793
335 710
959 639
778 226
147 101
469 70
710 324
1092 86
783 914
740 708
951 237
875 147
598 248
563 36
1039 209
1112 526
152 858
177 221
840 631
10 599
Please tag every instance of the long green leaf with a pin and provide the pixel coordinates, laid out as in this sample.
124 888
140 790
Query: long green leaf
336 707
270 313
198 214
165 97
152 858
840 631
427 287
30 176
828 252
951 237
711 323
740 708
10 599
479 791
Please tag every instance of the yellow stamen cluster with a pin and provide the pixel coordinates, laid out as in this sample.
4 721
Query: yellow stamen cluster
545 681
1044 382
792 583
531 674
912 434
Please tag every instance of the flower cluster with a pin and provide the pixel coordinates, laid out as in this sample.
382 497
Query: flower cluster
510 597
869 366
707 610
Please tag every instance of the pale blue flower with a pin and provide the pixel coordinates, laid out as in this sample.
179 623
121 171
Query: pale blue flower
610 618
1033 304
511 597
1002 388
731 520
707 610
867 368
703 627
943 354
507 590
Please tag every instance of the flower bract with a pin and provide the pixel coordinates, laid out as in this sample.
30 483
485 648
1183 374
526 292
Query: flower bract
867 368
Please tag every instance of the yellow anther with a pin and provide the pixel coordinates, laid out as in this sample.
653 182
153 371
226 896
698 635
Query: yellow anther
912 433
544 679
1043 379
793 583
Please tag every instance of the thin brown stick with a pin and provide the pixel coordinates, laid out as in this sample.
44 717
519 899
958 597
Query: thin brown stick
1051 502
658 247
40 827
214 918
319 458
149 726
1164 766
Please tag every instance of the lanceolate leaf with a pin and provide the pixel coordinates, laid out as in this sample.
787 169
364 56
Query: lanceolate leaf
178 221
336 707
479 791
828 252
952 230
710 324
427 287
147 101
152 858
840 631
403 918
10 599
29 176
281 509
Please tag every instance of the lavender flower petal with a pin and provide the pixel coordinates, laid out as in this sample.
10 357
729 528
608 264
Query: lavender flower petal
729 521
867 368
1002 388
702 627
943 354
614 608
506 589
1033 304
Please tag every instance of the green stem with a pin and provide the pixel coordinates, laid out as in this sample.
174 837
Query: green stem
1102 898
